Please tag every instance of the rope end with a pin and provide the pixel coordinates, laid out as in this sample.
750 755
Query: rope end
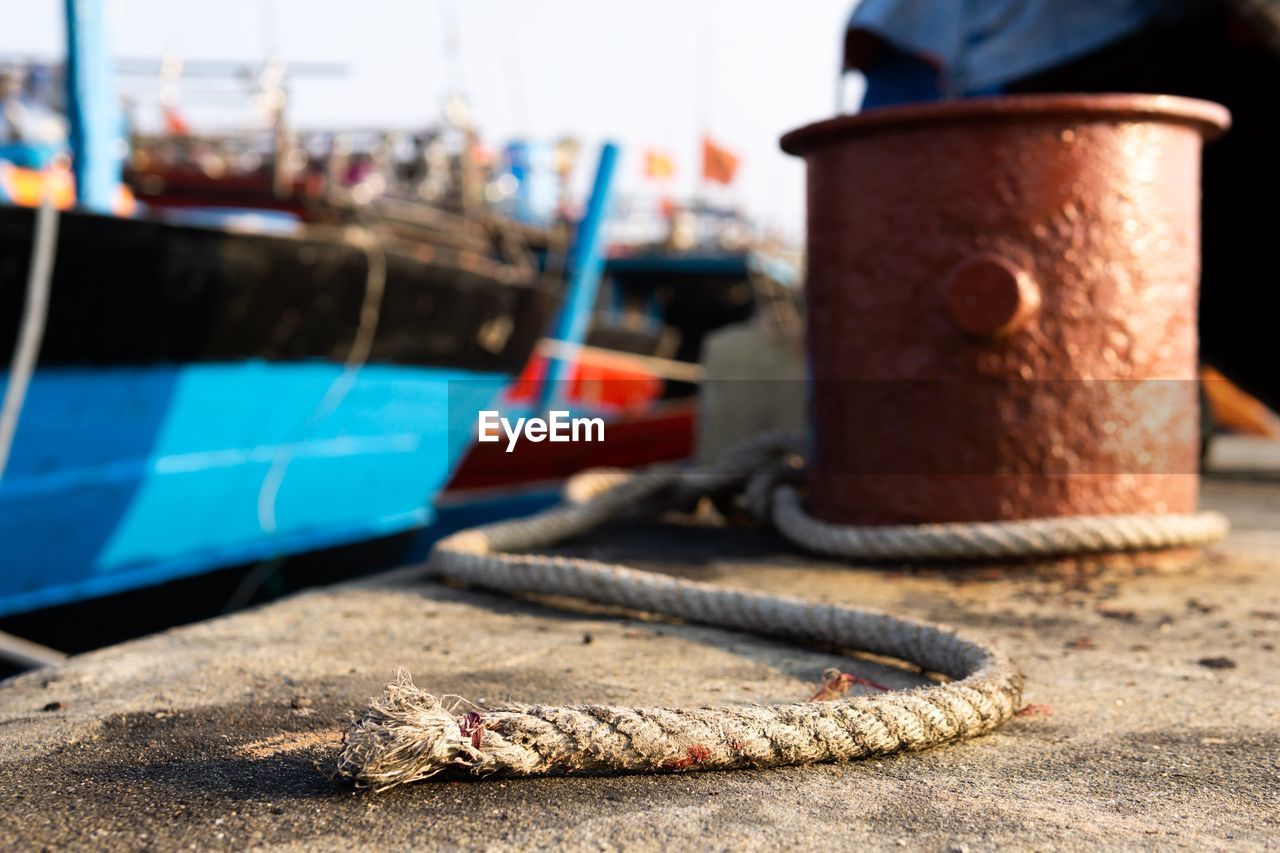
407 735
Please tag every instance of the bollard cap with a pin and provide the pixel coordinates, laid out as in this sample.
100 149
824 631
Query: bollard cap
1211 119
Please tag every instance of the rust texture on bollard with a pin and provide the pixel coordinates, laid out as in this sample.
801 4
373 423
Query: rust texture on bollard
1002 307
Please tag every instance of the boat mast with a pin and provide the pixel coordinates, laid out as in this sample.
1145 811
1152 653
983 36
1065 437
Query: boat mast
97 145
586 266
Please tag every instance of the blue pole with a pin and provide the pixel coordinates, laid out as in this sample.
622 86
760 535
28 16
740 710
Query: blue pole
94 116
586 265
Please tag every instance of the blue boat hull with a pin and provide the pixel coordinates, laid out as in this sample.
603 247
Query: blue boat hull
125 477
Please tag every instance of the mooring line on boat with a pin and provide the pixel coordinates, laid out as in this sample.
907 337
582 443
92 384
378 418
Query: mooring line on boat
35 312
24 654
357 356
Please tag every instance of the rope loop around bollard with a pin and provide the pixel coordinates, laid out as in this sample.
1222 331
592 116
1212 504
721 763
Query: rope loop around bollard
409 735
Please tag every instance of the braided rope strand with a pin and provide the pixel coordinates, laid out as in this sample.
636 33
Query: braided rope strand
1040 537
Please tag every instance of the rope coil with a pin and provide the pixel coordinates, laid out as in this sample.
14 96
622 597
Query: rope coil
409 735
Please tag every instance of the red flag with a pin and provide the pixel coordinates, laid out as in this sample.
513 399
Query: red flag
174 123
718 164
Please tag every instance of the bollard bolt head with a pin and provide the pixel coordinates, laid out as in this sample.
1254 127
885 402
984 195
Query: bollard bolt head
990 297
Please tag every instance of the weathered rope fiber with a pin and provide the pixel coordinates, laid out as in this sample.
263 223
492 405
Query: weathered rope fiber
409 735
1040 537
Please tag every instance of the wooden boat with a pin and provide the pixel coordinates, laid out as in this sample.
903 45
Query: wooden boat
207 397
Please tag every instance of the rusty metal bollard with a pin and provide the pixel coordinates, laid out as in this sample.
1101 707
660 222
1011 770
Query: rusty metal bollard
1002 308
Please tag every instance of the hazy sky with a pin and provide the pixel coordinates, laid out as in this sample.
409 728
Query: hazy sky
642 73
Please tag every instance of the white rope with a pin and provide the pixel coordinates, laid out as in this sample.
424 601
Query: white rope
1013 540
44 246
757 468
408 734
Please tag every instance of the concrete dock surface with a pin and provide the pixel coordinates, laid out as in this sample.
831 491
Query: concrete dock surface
1153 715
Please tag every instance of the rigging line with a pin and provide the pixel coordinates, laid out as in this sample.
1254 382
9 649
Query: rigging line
35 311
270 33
453 49
702 91
703 56
511 67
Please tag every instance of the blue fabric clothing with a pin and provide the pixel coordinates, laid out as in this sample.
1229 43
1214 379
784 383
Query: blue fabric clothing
976 46
900 78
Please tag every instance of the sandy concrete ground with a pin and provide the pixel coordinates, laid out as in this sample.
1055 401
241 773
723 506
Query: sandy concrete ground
1155 717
